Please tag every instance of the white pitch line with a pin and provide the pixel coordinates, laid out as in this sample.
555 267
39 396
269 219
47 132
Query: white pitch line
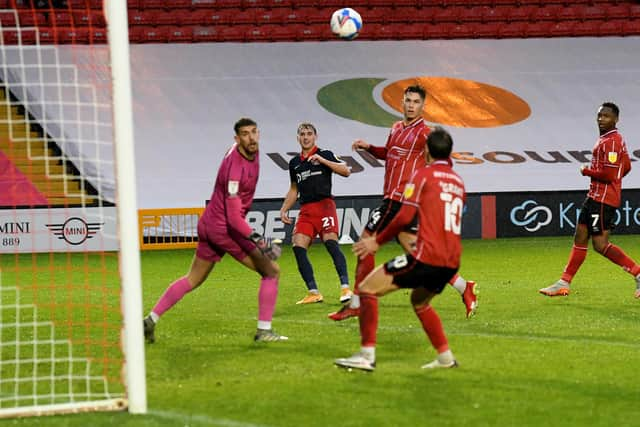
201 419
452 332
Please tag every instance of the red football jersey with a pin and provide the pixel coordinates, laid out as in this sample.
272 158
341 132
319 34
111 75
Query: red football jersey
610 162
403 154
438 194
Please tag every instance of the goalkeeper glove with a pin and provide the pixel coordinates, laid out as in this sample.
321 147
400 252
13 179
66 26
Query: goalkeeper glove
271 248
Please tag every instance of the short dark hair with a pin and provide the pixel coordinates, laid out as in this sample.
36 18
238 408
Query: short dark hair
439 143
245 121
417 89
613 107
307 125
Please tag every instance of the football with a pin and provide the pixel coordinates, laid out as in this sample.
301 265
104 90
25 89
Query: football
346 23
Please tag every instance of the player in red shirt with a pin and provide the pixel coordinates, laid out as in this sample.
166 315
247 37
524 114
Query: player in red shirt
222 229
436 194
403 154
609 164
310 176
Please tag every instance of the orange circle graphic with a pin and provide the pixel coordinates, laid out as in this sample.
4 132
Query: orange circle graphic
462 103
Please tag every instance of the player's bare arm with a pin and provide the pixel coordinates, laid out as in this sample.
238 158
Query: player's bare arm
289 201
360 144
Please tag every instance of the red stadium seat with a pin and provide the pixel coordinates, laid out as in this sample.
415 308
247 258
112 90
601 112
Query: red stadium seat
152 4
47 35
426 14
448 14
207 4
8 19
216 17
496 14
438 31
562 28
185 5
462 31
73 35
131 4
487 30
280 3
546 13
377 15
537 29
570 13
410 32
521 13
205 34
230 4
586 28
287 32
154 34
253 4
631 27
12 36
271 16
97 35
383 32
355 4
294 16
634 11
312 32
29 18
406 14
610 28
618 11
473 14
193 17
233 33
594 11
142 17
307 3
257 33
163 17
320 15
60 19
135 34
512 29
180 34
243 17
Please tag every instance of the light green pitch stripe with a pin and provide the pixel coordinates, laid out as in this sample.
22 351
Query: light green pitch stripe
353 99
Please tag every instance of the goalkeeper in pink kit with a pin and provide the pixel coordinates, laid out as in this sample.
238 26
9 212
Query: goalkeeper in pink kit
222 229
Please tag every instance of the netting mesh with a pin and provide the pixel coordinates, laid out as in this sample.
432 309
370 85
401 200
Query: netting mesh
60 315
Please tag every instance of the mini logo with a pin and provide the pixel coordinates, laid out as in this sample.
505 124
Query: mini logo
613 156
75 230
531 216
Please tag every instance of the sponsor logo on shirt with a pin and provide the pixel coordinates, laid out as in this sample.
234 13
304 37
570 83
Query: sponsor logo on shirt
408 190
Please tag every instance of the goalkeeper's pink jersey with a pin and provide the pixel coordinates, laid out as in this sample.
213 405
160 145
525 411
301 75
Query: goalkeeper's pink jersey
233 193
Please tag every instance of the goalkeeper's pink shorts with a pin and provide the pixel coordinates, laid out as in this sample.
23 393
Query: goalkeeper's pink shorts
213 243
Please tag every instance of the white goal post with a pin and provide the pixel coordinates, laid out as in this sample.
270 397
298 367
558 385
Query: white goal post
71 336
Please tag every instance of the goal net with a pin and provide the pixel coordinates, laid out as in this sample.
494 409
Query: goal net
70 304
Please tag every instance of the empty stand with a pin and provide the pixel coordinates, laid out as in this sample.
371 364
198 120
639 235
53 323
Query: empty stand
300 20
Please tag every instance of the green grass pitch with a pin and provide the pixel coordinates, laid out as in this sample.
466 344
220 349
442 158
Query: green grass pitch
525 359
